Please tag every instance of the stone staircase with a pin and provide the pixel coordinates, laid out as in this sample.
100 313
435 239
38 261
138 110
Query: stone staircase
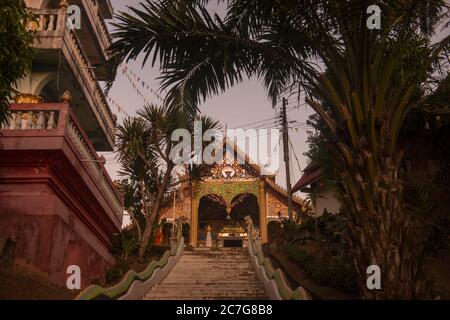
213 274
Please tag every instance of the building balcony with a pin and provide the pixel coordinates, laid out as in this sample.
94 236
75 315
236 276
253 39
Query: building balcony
49 136
94 34
63 55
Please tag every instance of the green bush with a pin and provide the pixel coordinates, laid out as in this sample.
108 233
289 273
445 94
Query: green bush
344 276
124 244
330 271
298 256
117 271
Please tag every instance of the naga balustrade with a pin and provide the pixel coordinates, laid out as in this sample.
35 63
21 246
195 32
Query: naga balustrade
274 280
134 285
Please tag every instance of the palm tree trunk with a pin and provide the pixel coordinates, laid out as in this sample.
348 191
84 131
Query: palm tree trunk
144 206
155 209
149 226
138 227
381 232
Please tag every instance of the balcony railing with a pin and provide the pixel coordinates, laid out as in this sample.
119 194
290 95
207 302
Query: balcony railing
50 25
99 24
32 120
46 20
57 120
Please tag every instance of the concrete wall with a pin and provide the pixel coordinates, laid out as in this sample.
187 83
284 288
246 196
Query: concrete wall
48 233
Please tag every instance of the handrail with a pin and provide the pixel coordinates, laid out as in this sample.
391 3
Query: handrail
273 279
132 277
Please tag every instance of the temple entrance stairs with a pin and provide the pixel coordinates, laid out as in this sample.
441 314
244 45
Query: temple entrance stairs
210 274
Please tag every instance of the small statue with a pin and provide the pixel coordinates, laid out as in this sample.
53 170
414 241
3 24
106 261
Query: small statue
63 4
208 237
66 97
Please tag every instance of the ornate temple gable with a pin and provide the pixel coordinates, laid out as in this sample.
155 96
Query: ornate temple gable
238 167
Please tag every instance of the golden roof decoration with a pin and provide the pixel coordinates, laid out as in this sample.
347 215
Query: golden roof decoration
232 229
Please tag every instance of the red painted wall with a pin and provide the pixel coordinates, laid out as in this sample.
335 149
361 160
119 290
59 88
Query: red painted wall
51 202
49 233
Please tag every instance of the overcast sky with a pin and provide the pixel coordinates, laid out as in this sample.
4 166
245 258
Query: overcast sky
243 104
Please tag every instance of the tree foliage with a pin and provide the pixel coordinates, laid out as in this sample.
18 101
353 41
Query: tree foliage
16 51
144 148
362 84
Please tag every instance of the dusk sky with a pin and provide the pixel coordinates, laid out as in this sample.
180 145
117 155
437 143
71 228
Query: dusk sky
243 104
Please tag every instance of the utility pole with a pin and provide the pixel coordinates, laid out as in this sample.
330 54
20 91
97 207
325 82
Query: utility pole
286 157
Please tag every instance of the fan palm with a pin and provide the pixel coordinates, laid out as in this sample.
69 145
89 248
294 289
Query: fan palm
372 79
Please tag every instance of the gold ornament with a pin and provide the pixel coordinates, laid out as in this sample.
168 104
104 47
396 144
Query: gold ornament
27 98
63 4
66 97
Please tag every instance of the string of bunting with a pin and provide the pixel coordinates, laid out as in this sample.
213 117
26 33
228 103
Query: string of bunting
136 83
118 107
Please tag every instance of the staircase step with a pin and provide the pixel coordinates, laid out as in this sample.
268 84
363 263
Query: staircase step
204 273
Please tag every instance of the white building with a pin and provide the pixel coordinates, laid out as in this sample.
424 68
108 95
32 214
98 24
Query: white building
321 192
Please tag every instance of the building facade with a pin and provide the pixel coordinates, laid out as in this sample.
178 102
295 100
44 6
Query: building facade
321 192
57 202
232 189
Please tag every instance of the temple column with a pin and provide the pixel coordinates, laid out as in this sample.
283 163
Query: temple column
262 211
194 221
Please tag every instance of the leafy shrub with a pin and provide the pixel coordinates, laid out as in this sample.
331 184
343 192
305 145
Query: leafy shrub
331 271
438 236
298 256
344 276
117 271
124 244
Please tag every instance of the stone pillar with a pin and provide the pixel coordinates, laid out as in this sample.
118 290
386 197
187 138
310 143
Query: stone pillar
262 211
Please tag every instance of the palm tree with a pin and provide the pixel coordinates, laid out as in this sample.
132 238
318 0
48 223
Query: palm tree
135 188
147 139
144 147
372 79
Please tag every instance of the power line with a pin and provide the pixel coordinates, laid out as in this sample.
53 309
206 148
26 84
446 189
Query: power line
295 155
269 119
251 123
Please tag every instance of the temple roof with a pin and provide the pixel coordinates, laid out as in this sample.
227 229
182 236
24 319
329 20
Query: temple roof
269 179
311 174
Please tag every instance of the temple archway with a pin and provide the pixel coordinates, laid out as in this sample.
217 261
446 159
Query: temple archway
212 213
217 215
227 191
242 205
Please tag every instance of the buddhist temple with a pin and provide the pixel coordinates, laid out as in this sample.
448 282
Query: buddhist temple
213 208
